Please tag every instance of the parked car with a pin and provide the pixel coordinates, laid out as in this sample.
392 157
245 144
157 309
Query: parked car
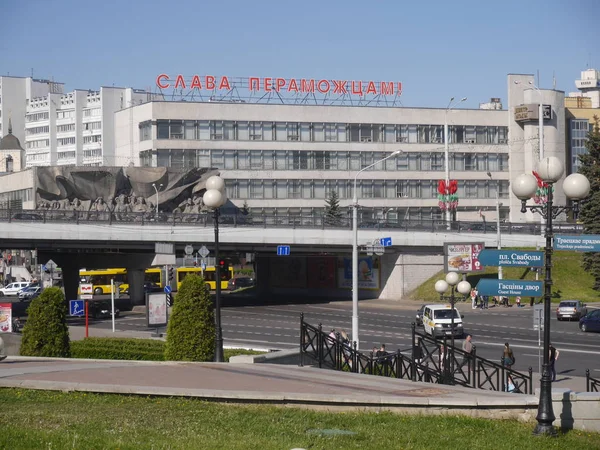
101 309
591 321
240 282
27 216
571 309
419 316
14 288
30 292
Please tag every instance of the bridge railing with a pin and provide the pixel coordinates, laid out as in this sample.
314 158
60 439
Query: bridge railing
429 360
591 384
238 219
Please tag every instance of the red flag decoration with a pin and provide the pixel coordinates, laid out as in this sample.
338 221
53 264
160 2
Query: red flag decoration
541 193
448 199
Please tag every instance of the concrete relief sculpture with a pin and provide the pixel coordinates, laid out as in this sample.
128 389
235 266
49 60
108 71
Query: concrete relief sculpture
120 193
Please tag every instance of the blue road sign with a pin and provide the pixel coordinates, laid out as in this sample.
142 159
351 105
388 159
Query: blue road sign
283 250
511 258
510 288
386 242
76 308
167 289
203 265
44 268
583 243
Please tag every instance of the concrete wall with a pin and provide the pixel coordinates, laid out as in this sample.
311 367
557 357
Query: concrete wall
406 271
576 410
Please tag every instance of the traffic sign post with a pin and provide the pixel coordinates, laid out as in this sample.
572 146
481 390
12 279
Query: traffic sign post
386 242
583 243
510 288
167 289
76 308
188 250
283 250
204 252
511 258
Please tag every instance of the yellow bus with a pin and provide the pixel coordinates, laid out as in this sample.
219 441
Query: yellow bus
208 274
100 278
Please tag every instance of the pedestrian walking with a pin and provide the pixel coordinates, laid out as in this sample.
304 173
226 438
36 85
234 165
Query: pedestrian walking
518 302
508 359
473 298
467 347
553 358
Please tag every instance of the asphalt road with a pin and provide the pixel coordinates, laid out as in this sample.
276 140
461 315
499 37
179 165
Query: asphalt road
277 327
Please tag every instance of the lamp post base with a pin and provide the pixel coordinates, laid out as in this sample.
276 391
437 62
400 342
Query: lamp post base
545 416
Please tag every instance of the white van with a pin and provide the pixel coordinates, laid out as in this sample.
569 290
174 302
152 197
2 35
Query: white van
437 321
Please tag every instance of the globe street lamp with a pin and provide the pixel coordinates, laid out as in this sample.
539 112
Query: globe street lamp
451 105
355 248
156 190
463 287
576 187
214 197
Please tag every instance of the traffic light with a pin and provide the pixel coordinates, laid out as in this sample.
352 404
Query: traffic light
171 274
224 264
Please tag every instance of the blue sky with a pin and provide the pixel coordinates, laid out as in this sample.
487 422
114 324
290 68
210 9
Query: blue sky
438 49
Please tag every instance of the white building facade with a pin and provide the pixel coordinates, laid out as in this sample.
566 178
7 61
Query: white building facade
76 128
15 95
286 159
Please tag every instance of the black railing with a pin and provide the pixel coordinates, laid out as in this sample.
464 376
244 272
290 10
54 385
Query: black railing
429 360
591 384
238 219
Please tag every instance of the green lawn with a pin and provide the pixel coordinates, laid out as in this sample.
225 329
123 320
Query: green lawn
570 280
57 420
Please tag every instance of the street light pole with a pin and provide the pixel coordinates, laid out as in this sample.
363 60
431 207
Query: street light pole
156 190
498 232
447 156
576 187
214 198
441 286
355 248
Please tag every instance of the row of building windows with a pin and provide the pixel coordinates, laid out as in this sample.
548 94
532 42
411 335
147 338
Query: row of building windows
36 157
92 126
65 141
384 189
320 160
94 153
92 112
323 132
66 155
37 116
69 114
37 130
65 128
39 143
15 199
92 139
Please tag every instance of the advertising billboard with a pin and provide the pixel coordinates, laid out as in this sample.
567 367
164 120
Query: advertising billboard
462 256
368 272
321 272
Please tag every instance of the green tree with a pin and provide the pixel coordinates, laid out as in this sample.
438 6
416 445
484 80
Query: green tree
46 332
590 210
333 212
191 329
245 208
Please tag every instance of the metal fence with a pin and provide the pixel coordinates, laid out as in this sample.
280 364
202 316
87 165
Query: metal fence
591 384
429 360
238 219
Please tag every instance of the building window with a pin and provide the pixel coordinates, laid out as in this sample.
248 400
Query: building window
145 131
9 163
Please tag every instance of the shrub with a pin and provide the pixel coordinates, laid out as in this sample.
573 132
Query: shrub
46 332
191 329
117 348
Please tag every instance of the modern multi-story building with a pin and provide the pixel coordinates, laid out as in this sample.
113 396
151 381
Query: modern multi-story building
287 158
581 109
15 95
77 127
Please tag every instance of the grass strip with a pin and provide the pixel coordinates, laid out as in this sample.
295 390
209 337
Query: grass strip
43 419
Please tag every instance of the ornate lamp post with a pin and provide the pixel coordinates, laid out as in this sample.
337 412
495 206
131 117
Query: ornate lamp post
214 198
576 187
463 287
156 190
